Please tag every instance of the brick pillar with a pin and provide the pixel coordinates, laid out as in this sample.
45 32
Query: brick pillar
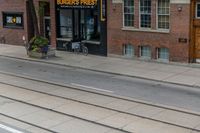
137 15
53 23
153 14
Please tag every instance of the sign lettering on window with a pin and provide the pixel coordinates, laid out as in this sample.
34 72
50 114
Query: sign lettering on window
77 2
103 10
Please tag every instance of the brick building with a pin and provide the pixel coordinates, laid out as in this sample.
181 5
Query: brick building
15 18
61 21
161 30
150 29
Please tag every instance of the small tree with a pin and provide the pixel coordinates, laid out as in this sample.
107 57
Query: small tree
34 18
37 40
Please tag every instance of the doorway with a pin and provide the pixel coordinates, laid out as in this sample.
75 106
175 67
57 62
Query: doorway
79 24
197 42
47 29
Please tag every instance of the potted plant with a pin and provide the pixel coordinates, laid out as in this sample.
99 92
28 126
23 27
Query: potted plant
38 47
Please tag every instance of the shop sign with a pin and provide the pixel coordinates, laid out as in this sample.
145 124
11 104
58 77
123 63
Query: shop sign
13 20
76 3
182 40
103 10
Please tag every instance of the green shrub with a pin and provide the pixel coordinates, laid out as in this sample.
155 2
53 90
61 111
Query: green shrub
38 42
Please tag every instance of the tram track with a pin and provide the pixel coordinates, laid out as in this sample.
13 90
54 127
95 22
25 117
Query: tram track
28 123
93 122
91 104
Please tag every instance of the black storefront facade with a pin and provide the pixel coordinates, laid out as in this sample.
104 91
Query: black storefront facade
82 20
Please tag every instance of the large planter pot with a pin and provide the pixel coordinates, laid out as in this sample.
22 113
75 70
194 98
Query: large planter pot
34 54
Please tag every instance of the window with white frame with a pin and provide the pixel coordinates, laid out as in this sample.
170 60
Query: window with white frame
128 50
145 51
129 13
163 53
198 10
145 13
163 13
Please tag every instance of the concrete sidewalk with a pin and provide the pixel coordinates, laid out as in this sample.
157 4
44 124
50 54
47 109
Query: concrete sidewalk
184 74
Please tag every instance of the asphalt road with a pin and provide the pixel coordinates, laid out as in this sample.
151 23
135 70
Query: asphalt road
167 94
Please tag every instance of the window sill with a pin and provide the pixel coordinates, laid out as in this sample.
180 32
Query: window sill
145 30
163 60
13 27
145 58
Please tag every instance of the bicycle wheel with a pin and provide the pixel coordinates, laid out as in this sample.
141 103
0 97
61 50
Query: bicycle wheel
85 50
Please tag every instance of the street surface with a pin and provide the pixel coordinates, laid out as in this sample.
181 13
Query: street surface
155 92
39 97
60 109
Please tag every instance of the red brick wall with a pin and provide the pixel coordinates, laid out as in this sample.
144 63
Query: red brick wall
179 28
14 36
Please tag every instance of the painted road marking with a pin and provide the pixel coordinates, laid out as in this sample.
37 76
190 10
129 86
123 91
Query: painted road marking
90 87
10 129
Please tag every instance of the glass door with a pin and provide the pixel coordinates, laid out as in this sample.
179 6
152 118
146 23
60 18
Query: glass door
86 24
76 25
79 24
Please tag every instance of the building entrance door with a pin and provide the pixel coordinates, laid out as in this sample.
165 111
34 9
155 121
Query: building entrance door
197 42
86 25
47 30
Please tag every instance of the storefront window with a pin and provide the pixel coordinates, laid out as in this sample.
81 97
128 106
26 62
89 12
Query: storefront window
65 23
92 27
79 24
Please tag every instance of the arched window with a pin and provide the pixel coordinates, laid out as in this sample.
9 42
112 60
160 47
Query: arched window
163 53
145 51
128 50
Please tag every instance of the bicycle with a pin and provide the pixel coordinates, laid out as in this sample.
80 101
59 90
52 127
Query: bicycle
67 46
76 47
80 47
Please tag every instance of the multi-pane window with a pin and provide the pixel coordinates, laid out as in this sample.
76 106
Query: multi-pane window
163 14
198 10
163 53
145 13
128 50
129 13
145 51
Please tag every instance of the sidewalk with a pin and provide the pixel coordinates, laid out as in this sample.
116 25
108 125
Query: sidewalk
185 74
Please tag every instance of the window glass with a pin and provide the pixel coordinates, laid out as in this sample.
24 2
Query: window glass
198 10
163 14
145 51
145 13
128 50
128 12
163 53
66 23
